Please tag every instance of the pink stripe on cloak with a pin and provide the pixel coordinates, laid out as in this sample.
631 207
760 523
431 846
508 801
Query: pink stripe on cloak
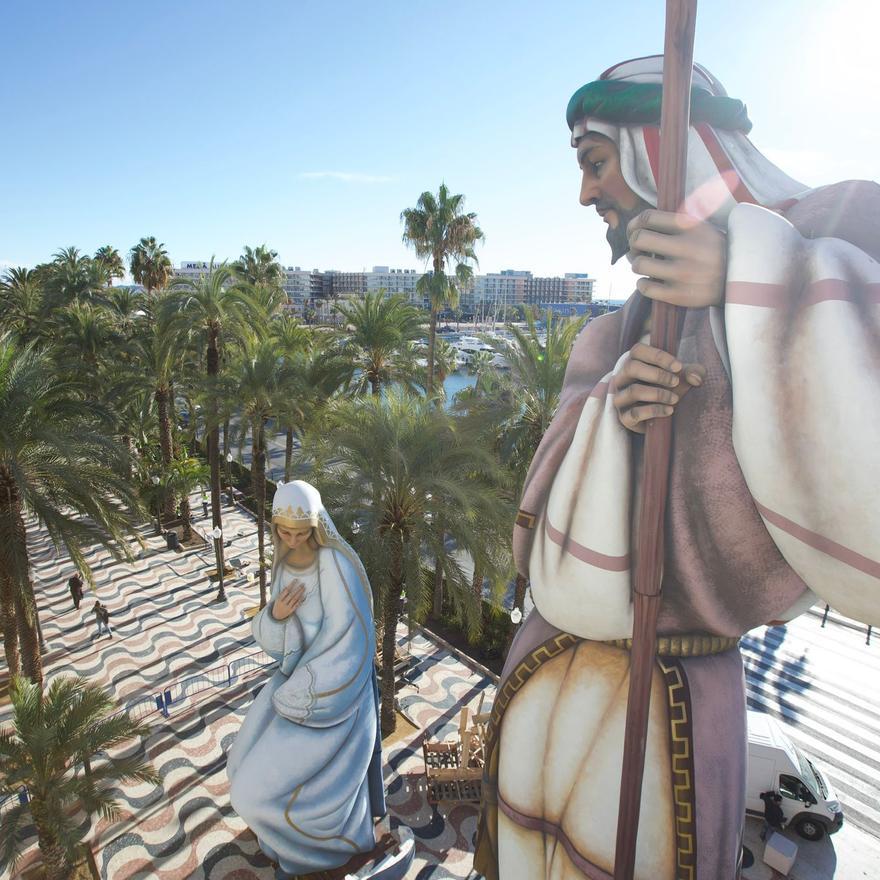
821 542
775 296
585 554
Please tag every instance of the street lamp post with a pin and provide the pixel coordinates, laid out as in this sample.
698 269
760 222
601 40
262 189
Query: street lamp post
229 478
217 534
155 481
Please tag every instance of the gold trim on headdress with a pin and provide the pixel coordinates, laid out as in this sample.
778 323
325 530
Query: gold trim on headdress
287 516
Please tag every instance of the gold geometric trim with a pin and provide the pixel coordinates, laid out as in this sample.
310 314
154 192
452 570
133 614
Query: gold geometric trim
296 515
523 672
525 520
691 645
684 793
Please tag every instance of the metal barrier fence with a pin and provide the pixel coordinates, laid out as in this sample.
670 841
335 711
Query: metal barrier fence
223 675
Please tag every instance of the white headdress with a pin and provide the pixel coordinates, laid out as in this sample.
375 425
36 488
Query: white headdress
724 167
298 505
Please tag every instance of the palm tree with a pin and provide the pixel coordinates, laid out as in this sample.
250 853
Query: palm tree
259 266
388 467
59 467
290 335
443 234
73 722
159 357
268 298
150 265
537 371
185 474
380 330
127 306
318 373
84 338
211 303
263 385
108 259
479 363
21 303
296 343
71 277
444 362
487 408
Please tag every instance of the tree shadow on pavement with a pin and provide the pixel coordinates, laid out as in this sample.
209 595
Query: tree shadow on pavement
772 676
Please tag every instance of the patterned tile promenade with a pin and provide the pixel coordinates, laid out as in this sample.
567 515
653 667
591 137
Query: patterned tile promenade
169 635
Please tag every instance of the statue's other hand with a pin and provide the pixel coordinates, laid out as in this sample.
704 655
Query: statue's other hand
684 259
649 385
288 600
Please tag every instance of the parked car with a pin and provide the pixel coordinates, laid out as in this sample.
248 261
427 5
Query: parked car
775 763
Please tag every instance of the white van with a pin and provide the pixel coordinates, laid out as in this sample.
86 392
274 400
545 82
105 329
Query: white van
777 764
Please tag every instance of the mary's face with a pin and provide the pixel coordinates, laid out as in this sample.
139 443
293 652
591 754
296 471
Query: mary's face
294 538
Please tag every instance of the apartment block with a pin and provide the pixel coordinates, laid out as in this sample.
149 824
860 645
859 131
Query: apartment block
510 287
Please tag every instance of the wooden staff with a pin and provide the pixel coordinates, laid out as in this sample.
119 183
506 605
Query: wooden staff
678 55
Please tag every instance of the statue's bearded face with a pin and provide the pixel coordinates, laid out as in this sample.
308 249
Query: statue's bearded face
603 186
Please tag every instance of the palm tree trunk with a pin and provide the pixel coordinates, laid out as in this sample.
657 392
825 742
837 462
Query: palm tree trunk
259 490
128 444
186 517
28 634
432 331
477 581
288 453
214 450
227 465
10 629
477 585
172 413
17 570
57 865
437 609
390 614
162 395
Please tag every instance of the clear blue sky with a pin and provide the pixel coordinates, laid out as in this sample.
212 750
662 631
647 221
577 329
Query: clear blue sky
217 124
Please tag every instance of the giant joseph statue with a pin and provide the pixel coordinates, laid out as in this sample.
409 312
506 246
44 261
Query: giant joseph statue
771 396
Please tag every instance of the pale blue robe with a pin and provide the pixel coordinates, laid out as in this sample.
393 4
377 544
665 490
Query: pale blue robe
299 765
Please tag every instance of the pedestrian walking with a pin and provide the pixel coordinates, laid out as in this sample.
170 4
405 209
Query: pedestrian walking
774 818
204 504
102 618
75 585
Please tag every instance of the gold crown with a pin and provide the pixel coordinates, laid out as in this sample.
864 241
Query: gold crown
290 513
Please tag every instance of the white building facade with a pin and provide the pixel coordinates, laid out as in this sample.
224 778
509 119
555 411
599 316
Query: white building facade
495 290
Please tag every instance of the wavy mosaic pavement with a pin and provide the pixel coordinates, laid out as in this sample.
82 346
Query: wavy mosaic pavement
169 634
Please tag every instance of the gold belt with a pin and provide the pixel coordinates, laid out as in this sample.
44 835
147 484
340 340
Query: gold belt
691 645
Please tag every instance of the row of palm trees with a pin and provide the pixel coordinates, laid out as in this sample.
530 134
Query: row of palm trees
122 383
106 393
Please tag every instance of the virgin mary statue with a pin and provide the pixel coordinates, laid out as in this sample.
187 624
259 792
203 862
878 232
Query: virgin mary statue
305 768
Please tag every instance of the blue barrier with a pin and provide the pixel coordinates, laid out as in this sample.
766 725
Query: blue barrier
216 676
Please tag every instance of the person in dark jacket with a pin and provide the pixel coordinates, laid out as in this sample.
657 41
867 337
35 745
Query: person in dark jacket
75 585
102 618
773 816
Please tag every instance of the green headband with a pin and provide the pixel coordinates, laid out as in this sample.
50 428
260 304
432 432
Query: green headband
628 103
